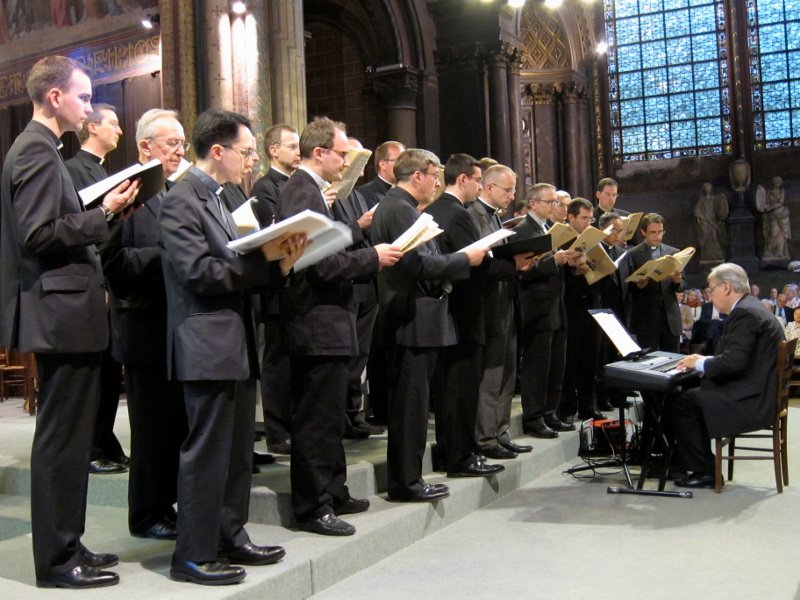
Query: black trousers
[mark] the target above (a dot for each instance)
(541, 374)
(366, 312)
(69, 393)
(458, 381)
(216, 468)
(158, 427)
(106, 444)
(581, 365)
(692, 442)
(276, 384)
(410, 382)
(318, 466)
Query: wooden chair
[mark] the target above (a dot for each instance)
(778, 452)
(18, 371)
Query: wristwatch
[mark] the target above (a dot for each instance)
(108, 213)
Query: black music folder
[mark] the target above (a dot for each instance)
(536, 245)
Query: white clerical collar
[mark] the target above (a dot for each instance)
(489, 207)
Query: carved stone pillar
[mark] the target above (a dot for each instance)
(515, 117)
(398, 90)
(179, 85)
(499, 120)
(585, 182)
(287, 62)
(571, 133)
(545, 132)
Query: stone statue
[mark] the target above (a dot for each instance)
(739, 174)
(775, 219)
(710, 213)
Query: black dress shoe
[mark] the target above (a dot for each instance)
(361, 422)
(514, 447)
(250, 554)
(161, 530)
(98, 561)
(352, 432)
(541, 431)
(327, 525)
(696, 480)
(218, 572)
(281, 447)
(263, 458)
(82, 576)
(103, 466)
(499, 452)
(477, 467)
(594, 415)
(125, 461)
(605, 407)
(427, 492)
(351, 506)
(558, 425)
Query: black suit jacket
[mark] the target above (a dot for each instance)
(209, 324)
(646, 303)
(541, 288)
(316, 307)
(85, 169)
(468, 299)
(51, 280)
(374, 191)
(412, 300)
(266, 191)
(740, 383)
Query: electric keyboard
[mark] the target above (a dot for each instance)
(655, 371)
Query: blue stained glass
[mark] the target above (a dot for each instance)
(650, 6)
(678, 23)
(628, 58)
(625, 8)
(655, 82)
(706, 75)
(707, 103)
(633, 139)
(656, 109)
(681, 106)
(630, 85)
(680, 78)
(708, 132)
(775, 95)
(679, 50)
(769, 12)
(654, 54)
(704, 47)
(683, 134)
(632, 112)
(703, 19)
(773, 68)
(671, 4)
(699, 2)
(794, 91)
(793, 35)
(652, 27)
(658, 137)
(796, 124)
(628, 30)
(777, 126)
(771, 39)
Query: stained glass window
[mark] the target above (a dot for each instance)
(668, 78)
(773, 38)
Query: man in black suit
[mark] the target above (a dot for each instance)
(132, 264)
(459, 369)
(384, 158)
(53, 304)
(739, 384)
(654, 316)
(211, 350)
(501, 307)
(282, 145)
(99, 136)
(544, 324)
(606, 195)
(414, 321)
(320, 333)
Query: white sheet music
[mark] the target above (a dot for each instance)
(618, 335)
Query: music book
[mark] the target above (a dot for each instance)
(490, 240)
(630, 225)
(512, 222)
(536, 245)
(245, 218)
(587, 240)
(182, 168)
(358, 159)
(150, 174)
(422, 230)
(327, 237)
(599, 263)
(659, 269)
(560, 234)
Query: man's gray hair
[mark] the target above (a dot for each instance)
(535, 193)
(412, 160)
(732, 274)
(147, 126)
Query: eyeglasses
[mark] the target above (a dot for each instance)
(291, 146)
(713, 287)
(172, 143)
(587, 219)
(244, 152)
(507, 190)
(436, 175)
(340, 153)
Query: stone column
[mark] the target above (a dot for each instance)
(515, 117)
(178, 81)
(287, 60)
(545, 133)
(499, 126)
(398, 90)
(571, 134)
